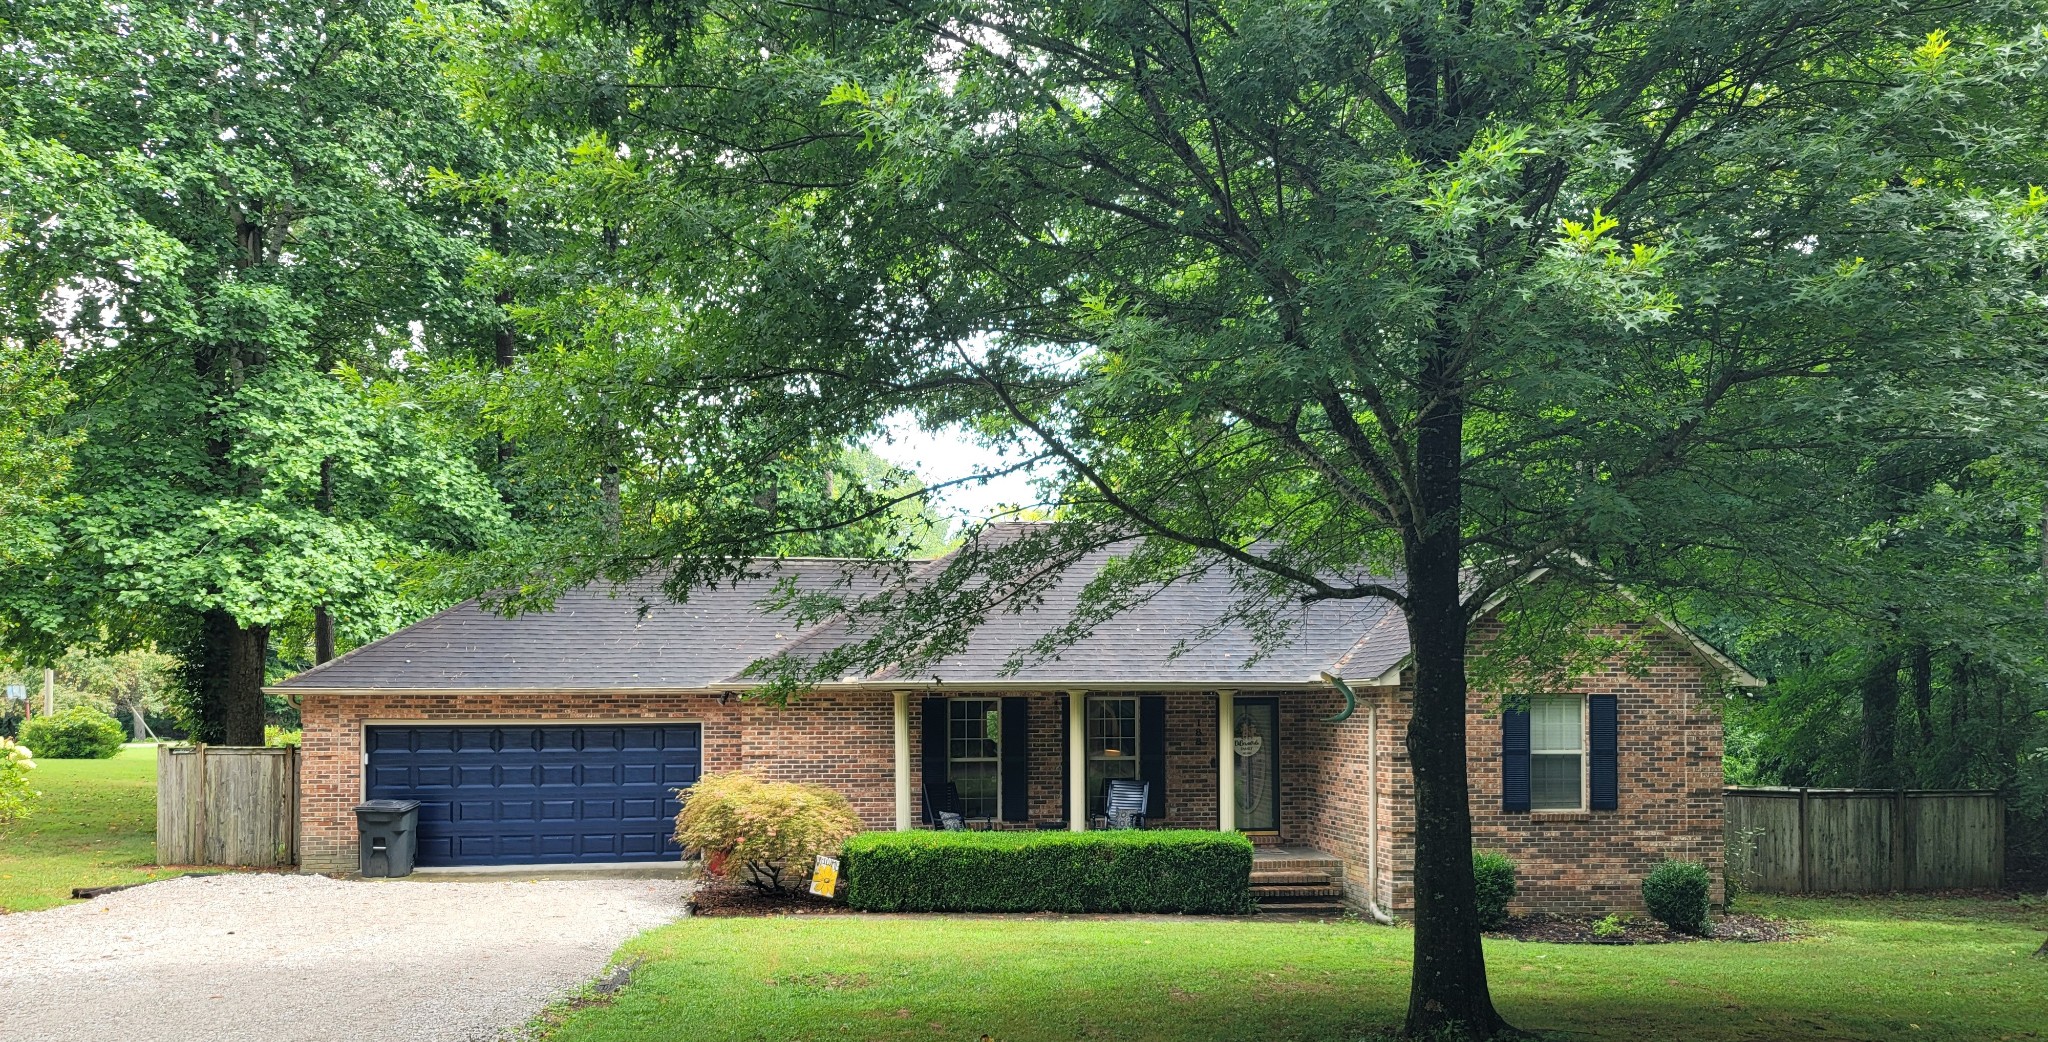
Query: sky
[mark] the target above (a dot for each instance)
(949, 454)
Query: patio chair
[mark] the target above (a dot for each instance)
(942, 806)
(1123, 805)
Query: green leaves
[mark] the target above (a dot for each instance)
(223, 212)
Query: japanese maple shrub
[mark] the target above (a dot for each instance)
(772, 829)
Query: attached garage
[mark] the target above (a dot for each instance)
(517, 794)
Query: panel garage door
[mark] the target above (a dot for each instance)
(525, 794)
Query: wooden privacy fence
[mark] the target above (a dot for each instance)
(1791, 841)
(227, 805)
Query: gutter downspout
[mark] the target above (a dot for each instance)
(1372, 793)
(1372, 816)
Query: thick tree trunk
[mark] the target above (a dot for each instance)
(323, 634)
(323, 620)
(1447, 992)
(1880, 687)
(1921, 664)
(231, 678)
(504, 339)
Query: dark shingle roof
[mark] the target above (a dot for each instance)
(594, 638)
(1187, 634)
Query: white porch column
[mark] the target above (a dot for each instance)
(903, 817)
(1077, 761)
(1226, 761)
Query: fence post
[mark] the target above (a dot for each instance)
(1902, 846)
(197, 799)
(1805, 849)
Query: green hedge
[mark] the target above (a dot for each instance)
(1167, 870)
(77, 733)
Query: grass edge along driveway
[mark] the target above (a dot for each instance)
(1866, 969)
(95, 825)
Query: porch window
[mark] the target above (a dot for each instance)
(1557, 744)
(1112, 746)
(974, 737)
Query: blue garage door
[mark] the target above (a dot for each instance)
(513, 795)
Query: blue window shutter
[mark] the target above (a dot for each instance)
(1015, 747)
(1603, 734)
(1152, 755)
(1514, 761)
(937, 766)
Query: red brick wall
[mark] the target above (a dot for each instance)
(1670, 790)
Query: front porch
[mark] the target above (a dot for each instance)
(1256, 762)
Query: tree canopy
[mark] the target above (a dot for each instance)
(1318, 293)
(257, 252)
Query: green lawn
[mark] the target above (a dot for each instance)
(1890, 969)
(94, 826)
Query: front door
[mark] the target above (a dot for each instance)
(1257, 745)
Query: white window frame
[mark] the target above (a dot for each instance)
(1582, 752)
(993, 707)
(1097, 800)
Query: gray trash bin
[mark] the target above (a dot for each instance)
(387, 837)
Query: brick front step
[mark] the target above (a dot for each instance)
(1327, 865)
(1261, 877)
(1330, 909)
(1278, 893)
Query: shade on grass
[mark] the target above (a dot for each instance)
(94, 826)
(1946, 970)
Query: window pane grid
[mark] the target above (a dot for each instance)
(1557, 733)
(1555, 725)
(1112, 746)
(974, 756)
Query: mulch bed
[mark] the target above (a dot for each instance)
(722, 897)
(1578, 929)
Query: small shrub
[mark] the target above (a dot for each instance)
(1124, 870)
(1676, 893)
(77, 733)
(774, 829)
(282, 738)
(1494, 875)
(15, 795)
(1610, 925)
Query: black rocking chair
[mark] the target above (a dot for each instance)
(942, 806)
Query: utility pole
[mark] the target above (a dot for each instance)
(49, 692)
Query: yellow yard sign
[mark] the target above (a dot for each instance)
(825, 878)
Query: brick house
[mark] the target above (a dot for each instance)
(560, 736)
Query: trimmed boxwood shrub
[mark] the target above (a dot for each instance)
(1676, 893)
(1494, 875)
(77, 733)
(1165, 870)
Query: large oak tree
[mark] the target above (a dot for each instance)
(1318, 292)
(227, 224)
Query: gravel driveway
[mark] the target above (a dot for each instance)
(308, 959)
